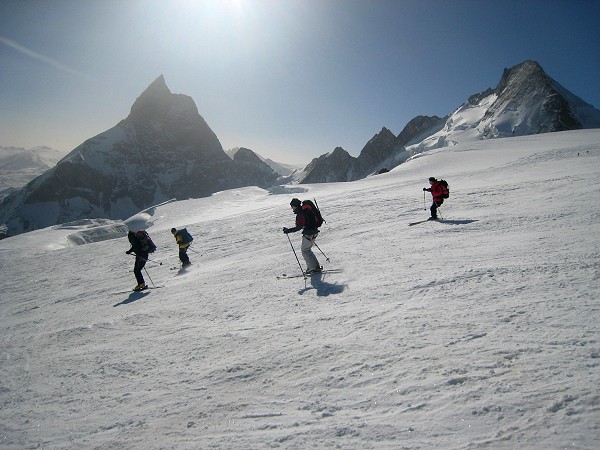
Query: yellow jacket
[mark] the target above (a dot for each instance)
(179, 238)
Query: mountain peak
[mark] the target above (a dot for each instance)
(246, 155)
(159, 79)
(157, 88)
(529, 65)
(529, 72)
(155, 98)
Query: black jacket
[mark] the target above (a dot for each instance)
(136, 246)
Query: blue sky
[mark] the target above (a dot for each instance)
(289, 79)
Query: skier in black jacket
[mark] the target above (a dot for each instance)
(141, 256)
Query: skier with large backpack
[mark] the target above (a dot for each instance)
(439, 191)
(141, 246)
(184, 240)
(308, 219)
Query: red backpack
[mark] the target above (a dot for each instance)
(313, 216)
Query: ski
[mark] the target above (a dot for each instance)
(141, 290)
(422, 221)
(306, 275)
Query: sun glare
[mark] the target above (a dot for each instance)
(223, 9)
(235, 6)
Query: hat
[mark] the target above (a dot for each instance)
(432, 179)
(173, 230)
(295, 202)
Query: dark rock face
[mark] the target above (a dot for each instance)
(251, 170)
(331, 167)
(378, 149)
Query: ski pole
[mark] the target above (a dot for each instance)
(424, 203)
(326, 257)
(317, 205)
(147, 260)
(192, 250)
(154, 262)
(149, 277)
(299, 265)
(324, 221)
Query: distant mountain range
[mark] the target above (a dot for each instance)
(526, 101)
(18, 166)
(164, 149)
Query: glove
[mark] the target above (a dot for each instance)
(424, 189)
(285, 230)
(128, 252)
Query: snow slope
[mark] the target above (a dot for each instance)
(477, 332)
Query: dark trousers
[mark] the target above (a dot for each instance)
(140, 262)
(434, 208)
(183, 257)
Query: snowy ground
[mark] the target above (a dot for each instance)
(477, 332)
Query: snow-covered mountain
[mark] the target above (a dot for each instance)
(477, 332)
(18, 166)
(164, 149)
(526, 101)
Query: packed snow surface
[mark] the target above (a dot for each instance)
(478, 331)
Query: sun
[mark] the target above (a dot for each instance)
(224, 9)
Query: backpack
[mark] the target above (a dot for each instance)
(314, 219)
(145, 242)
(186, 237)
(445, 189)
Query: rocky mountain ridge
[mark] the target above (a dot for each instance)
(525, 101)
(164, 149)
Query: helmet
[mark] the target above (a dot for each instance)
(173, 230)
(432, 179)
(295, 202)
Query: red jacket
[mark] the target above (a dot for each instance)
(437, 192)
(302, 224)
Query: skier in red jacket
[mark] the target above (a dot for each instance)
(437, 192)
(305, 221)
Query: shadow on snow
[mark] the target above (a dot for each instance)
(457, 222)
(132, 298)
(323, 288)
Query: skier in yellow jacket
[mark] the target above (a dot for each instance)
(184, 240)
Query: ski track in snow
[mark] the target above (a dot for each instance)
(479, 331)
